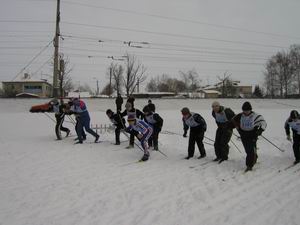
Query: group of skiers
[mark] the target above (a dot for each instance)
(147, 125)
(249, 125)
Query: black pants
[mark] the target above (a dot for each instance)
(59, 125)
(222, 139)
(296, 146)
(153, 140)
(249, 144)
(83, 134)
(131, 139)
(196, 137)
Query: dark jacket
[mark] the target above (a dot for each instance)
(155, 121)
(139, 114)
(151, 107)
(118, 121)
(199, 125)
(227, 123)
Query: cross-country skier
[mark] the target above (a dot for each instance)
(223, 118)
(59, 110)
(250, 125)
(118, 122)
(151, 106)
(119, 102)
(294, 122)
(197, 126)
(142, 131)
(129, 110)
(80, 109)
(156, 122)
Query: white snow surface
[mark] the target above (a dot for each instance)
(44, 181)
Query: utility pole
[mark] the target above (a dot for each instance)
(138, 85)
(110, 75)
(56, 60)
(61, 77)
(97, 92)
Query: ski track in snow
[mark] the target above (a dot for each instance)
(43, 181)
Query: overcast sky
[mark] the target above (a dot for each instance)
(210, 36)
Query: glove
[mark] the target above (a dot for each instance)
(139, 136)
(258, 131)
(184, 135)
(288, 137)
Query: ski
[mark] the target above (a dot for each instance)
(201, 164)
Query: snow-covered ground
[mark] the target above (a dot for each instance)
(44, 181)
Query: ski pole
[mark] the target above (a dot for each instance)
(209, 139)
(133, 142)
(272, 143)
(49, 117)
(235, 146)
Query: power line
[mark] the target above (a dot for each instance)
(182, 20)
(150, 44)
(25, 21)
(29, 63)
(172, 35)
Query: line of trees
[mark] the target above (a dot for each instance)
(189, 82)
(130, 76)
(282, 73)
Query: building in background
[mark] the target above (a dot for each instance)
(27, 87)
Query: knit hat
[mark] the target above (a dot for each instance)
(294, 114)
(131, 118)
(185, 111)
(109, 111)
(246, 106)
(146, 109)
(215, 104)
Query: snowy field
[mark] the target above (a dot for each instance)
(44, 181)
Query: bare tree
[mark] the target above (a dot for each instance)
(134, 75)
(107, 90)
(272, 77)
(295, 60)
(65, 80)
(152, 86)
(224, 83)
(191, 79)
(117, 77)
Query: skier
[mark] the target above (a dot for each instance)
(131, 100)
(197, 128)
(249, 125)
(79, 108)
(119, 102)
(223, 118)
(294, 122)
(118, 122)
(156, 122)
(137, 114)
(59, 110)
(142, 131)
(151, 106)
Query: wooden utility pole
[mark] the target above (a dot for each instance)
(55, 91)
(110, 76)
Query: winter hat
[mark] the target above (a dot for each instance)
(215, 104)
(109, 111)
(185, 111)
(294, 114)
(146, 109)
(131, 118)
(247, 106)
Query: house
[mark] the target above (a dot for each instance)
(209, 93)
(27, 87)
